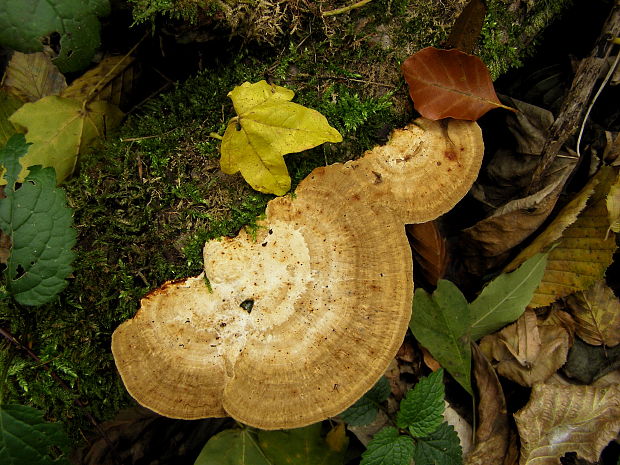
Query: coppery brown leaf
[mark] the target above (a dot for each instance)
(560, 419)
(429, 250)
(449, 83)
(493, 432)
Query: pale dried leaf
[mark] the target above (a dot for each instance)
(109, 81)
(561, 419)
(33, 76)
(527, 354)
(597, 315)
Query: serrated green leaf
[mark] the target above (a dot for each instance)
(422, 408)
(364, 411)
(441, 323)
(25, 26)
(504, 299)
(442, 447)
(388, 447)
(301, 446)
(25, 438)
(232, 447)
(39, 224)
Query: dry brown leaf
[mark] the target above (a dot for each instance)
(467, 27)
(429, 250)
(597, 315)
(33, 76)
(527, 351)
(611, 154)
(613, 207)
(109, 81)
(493, 432)
(560, 419)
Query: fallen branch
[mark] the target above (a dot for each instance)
(576, 101)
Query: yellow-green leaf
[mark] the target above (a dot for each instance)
(60, 129)
(560, 419)
(267, 127)
(583, 252)
(613, 206)
(9, 104)
(32, 76)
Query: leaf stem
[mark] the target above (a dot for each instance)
(344, 9)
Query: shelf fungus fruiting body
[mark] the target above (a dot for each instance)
(302, 319)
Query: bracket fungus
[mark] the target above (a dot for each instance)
(296, 324)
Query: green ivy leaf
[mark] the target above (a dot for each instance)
(504, 299)
(232, 447)
(388, 447)
(25, 25)
(440, 448)
(301, 446)
(364, 411)
(38, 222)
(25, 438)
(441, 324)
(422, 408)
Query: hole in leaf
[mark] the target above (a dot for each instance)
(19, 272)
(247, 305)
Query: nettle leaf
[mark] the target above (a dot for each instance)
(441, 323)
(388, 447)
(267, 127)
(422, 408)
(26, 26)
(38, 222)
(25, 438)
(504, 299)
(364, 411)
(232, 447)
(442, 447)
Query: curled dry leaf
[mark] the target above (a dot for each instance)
(513, 214)
(33, 76)
(329, 279)
(561, 419)
(429, 248)
(493, 432)
(449, 84)
(583, 253)
(597, 315)
(528, 351)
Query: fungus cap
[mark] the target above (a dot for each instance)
(300, 321)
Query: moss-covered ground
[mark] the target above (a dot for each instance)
(149, 197)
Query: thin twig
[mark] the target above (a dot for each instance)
(600, 89)
(328, 76)
(13, 340)
(344, 9)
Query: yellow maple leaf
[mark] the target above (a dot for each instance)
(268, 126)
(60, 129)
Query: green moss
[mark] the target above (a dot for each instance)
(505, 42)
